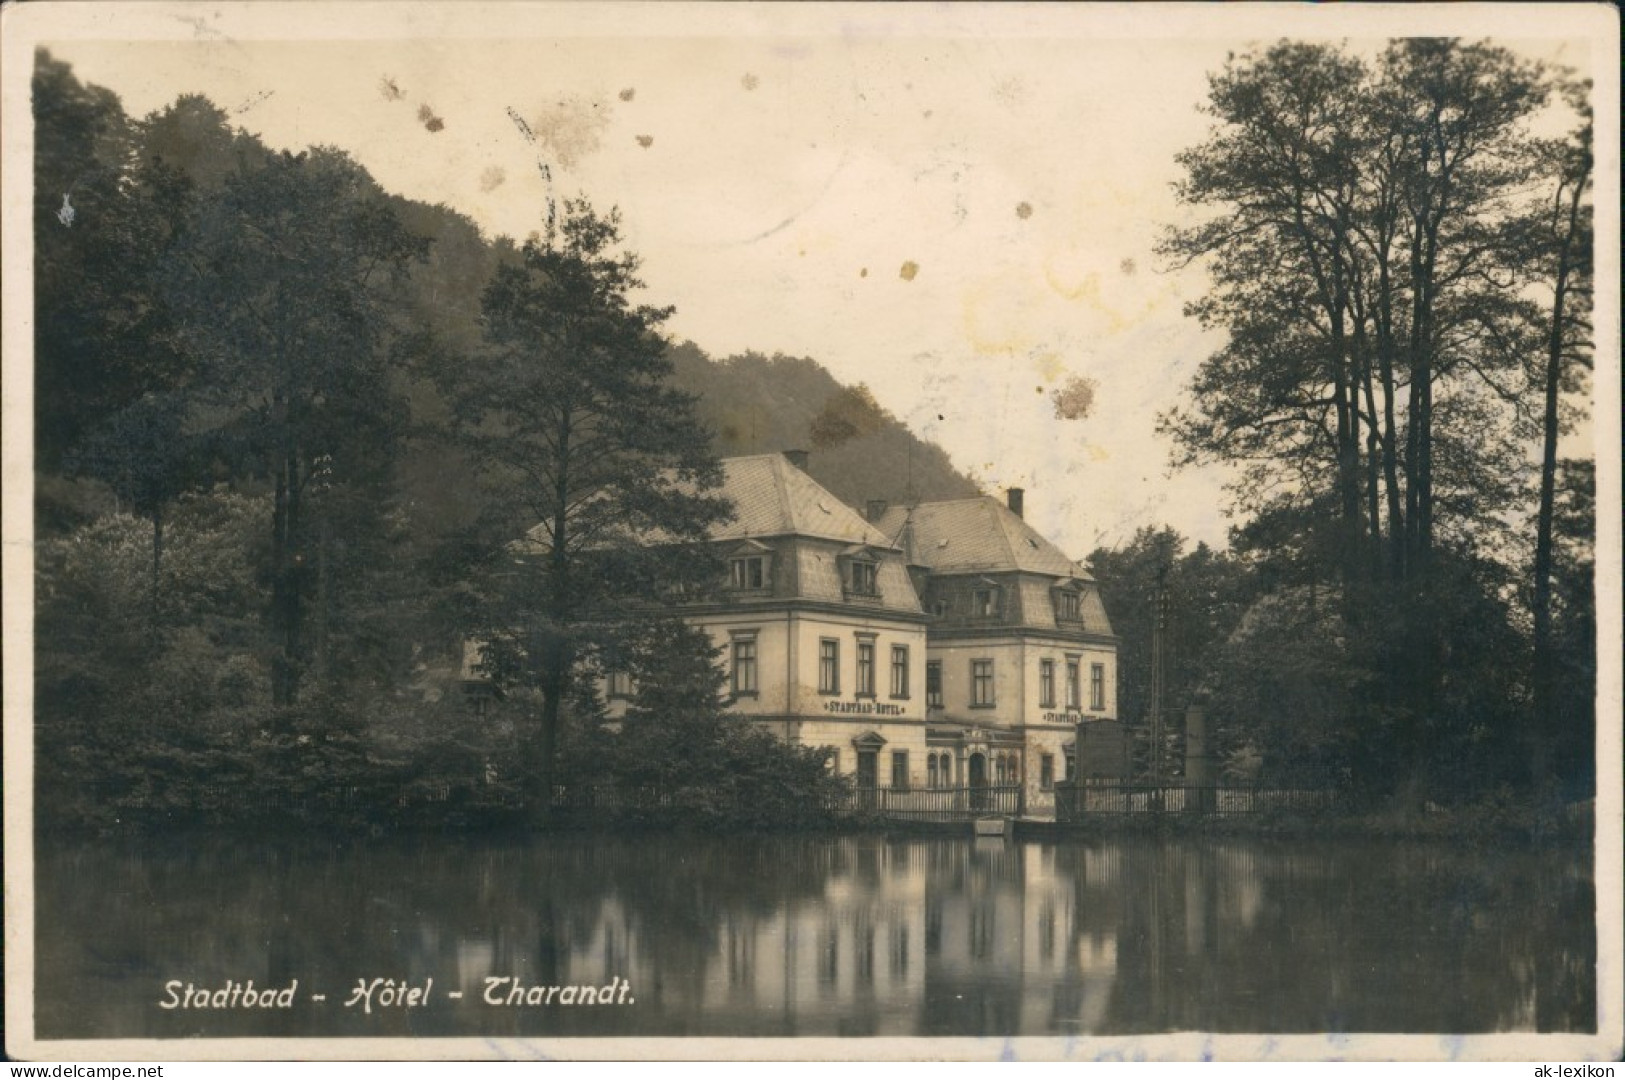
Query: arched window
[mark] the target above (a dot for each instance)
(931, 770)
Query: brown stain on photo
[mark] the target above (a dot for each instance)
(1074, 400)
(909, 269)
(749, 82)
(646, 141)
(1024, 210)
(429, 120)
(388, 87)
(492, 178)
(570, 127)
(629, 93)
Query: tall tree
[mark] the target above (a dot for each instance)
(143, 439)
(1284, 163)
(1562, 234)
(587, 453)
(1366, 255)
(282, 285)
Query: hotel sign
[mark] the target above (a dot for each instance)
(863, 708)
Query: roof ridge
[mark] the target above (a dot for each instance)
(781, 492)
(949, 502)
(1004, 529)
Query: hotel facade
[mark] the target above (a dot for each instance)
(940, 645)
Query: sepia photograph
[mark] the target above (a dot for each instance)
(822, 531)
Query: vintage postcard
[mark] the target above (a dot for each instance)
(850, 531)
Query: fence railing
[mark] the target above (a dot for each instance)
(930, 804)
(1074, 801)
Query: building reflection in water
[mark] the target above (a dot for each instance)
(856, 935)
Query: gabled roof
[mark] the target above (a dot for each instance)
(969, 535)
(774, 498)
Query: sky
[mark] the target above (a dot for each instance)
(957, 206)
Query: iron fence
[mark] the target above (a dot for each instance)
(929, 804)
(1074, 801)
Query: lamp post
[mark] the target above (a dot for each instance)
(1159, 634)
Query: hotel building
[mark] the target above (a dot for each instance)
(940, 645)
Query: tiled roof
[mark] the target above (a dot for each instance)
(774, 498)
(981, 534)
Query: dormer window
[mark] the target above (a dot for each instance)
(1068, 606)
(860, 572)
(984, 601)
(748, 572)
(750, 567)
(863, 577)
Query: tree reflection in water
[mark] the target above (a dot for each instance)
(850, 935)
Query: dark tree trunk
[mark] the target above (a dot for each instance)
(286, 577)
(1544, 729)
(157, 555)
(557, 655)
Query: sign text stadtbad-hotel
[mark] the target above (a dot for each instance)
(863, 708)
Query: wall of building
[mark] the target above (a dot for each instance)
(788, 697)
(1037, 651)
(1009, 693)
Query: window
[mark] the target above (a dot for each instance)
(981, 684)
(829, 666)
(1046, 771)
(940, 769)
(620, 684)
(1097, 687)
(931, 771)
(862, 578)
(899, 671)
(1046, 684)
(866, 667)
(1067, 606)
(899, 769)
(984, 602)
(1073, 693)
(744, 665)
(748, 573)
(933, 684)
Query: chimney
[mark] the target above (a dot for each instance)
(1013, 497)
(798, 458)
(875, 509)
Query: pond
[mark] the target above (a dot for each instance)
(806, 935)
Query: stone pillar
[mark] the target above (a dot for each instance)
(1199, 773)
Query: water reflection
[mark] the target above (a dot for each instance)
(822, 935)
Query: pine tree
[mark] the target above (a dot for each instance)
(587, 453)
